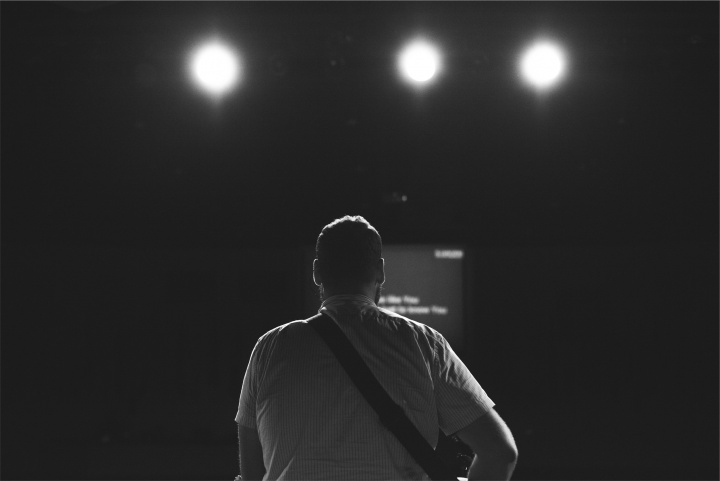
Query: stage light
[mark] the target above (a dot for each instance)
(215, 67)
(419, 62)
(543, 65)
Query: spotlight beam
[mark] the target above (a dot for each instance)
(419, 62)
(543, 65)
(215, 68)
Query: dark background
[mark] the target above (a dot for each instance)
(150, 237)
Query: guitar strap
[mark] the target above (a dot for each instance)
(391, 415)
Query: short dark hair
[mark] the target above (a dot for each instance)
(347, 250)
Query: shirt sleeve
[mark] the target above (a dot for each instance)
(248, 394)
(459, 397)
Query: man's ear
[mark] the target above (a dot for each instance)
(381, 271)
(316, 274)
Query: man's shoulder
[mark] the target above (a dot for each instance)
(390, 319)
(400, 321)
(289, 329)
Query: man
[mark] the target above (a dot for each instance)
(301, 417)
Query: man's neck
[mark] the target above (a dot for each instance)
(372, 293)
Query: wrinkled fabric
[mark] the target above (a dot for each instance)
(312, 421)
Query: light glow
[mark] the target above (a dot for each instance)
(215, 68)
(419, 62)
(543, 65)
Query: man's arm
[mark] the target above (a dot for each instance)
(252, 466)
(494, 447)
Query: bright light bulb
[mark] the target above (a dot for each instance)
(215, 68)
(419, 62)
(543, 65)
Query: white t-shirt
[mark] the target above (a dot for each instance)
(313, 423)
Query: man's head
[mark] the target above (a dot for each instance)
(348, 257)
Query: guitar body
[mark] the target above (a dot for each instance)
(455, 454)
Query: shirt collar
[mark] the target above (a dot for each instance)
(344, 298)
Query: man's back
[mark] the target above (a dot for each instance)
(313, 423)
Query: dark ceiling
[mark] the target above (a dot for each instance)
(106, 142)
